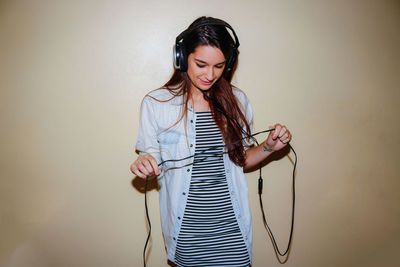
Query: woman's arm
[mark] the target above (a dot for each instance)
(276, 140)
(146, 163)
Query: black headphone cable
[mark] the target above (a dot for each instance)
(148, 220)
(218, 106)
(177, 160)
(260, 187)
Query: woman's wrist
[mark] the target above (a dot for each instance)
(266, 148)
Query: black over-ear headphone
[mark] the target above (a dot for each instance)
(180, 57)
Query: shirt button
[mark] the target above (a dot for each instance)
(191, 145)
(239, 217)
(191, 121)
(174, 238)
(188, 170)
(228, 171)
(245, 237)
(233, 192)
(179, 218)
(183, 193)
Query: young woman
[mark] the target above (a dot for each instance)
(204, 207)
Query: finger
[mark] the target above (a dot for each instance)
(288, 139)
(284, 136)
(282, 131)
(270, 137)
(149, 168)
(136, 171)
(142, 168)
(289, 136)
(134, 168)
(277, 131)
(154, 165)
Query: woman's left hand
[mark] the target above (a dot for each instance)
(278, 138)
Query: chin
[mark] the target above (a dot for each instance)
(203, 87)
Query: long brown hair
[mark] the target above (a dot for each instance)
(228, 115)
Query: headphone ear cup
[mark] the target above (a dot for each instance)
(180, 61)
(231, 61)
(176, 57)
(184, 59)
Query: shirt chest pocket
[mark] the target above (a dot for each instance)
(173, 146)
(169, 137)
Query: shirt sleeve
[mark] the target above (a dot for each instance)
(249, 117)
(248, 113)
(147, 142)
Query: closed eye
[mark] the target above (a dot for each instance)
(217, 66)
(201, 64)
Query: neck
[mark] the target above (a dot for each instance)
(195, 92)
(197, 99)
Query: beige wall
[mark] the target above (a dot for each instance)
(73, 73)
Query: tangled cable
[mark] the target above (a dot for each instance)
(260, 186)
(220, 109)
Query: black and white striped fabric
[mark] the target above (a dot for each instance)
(209, 235)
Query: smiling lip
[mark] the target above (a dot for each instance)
(204, 82)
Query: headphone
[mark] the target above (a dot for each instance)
(179, 54)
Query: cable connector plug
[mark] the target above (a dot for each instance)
(260, 185)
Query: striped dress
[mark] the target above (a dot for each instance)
(209, 235)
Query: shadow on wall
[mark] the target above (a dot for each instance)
(139, 184)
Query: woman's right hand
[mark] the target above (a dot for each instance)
(144, 166)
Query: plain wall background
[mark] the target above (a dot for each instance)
(72, 76)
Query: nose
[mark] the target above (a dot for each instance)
(210, 73)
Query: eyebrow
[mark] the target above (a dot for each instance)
(201, 61)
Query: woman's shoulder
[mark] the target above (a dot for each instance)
(160, 95)
(244, 103)
(241, 96)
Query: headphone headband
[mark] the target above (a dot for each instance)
(208, 21)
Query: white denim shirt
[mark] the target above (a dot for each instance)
(163, 142)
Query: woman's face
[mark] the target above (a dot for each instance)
(205, 66)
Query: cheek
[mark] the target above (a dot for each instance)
(219, 72)
(190, 73)
(193, 71)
